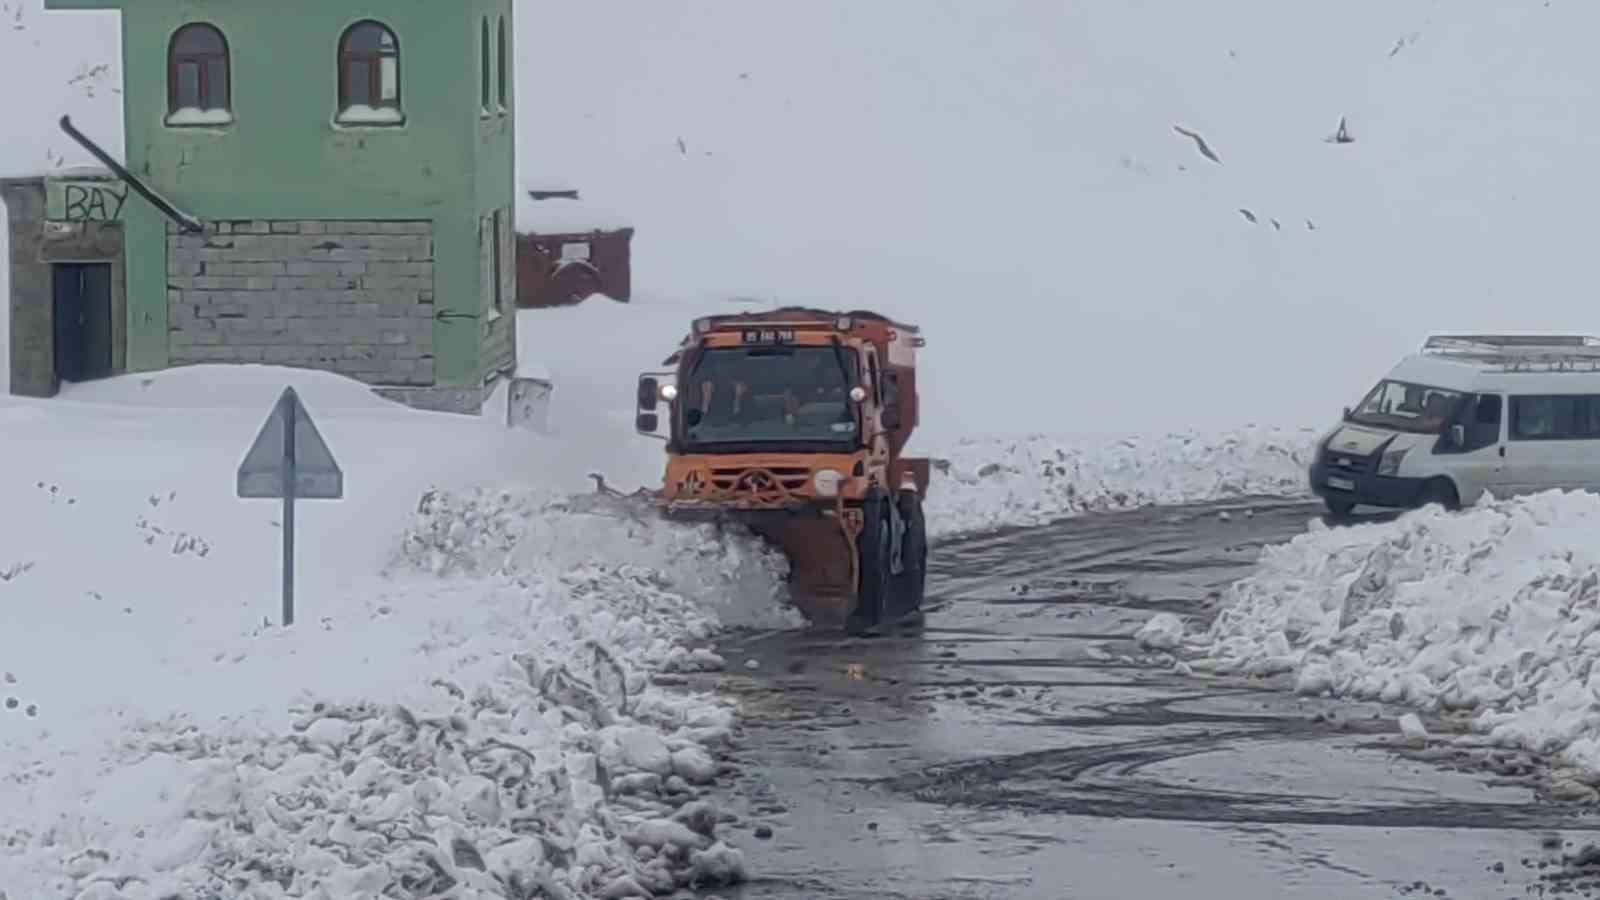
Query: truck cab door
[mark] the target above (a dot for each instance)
(654, 402)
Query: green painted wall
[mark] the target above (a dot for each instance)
(285, 157)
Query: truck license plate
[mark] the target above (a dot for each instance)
(1341, 484)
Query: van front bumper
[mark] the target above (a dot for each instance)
(1365, 489)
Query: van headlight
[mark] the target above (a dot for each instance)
(1390, 464)
(826, 482)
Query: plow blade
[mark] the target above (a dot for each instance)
(822, 582)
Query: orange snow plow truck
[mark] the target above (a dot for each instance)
(793, 423)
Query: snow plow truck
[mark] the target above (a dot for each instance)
(793, 423)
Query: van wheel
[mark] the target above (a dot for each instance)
(1339, 509)
(1440, 492)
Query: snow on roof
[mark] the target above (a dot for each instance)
(56, 174)
(82, 172)
(231, 386)
(548, 185)
(558, 215)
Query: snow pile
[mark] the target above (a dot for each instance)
(528, 755)
(1496, 609)
(479, 720)
(986, 484)
(729, 573)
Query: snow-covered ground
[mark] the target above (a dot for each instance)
(1495, 610)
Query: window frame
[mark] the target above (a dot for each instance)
(497, 261)
(484, 66)
(372, 92)
(175, 61)
(1581, 415)
(503, 54)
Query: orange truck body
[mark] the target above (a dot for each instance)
(810, 498)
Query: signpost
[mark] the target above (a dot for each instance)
(289, 461)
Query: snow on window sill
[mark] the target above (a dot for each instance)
(503, 111)
(189, 117)
(366, 115)
(485, 113)
(494, 315)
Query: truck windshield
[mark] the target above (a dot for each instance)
(769, 395)
(1402, 406)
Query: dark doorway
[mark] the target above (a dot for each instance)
(82, 320)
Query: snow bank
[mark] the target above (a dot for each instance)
(985, 484)
(1495, 609)
(468, 704)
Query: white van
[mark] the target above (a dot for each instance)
(1502, 414)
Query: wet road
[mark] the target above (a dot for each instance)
(1021, 745)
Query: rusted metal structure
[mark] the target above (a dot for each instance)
(567, 253)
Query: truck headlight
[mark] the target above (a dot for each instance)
(826, 482)
(1390, 464)
(669, 392)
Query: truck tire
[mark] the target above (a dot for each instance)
(875, 591)
(913, 552)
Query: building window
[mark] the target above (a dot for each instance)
(369, 76)
(496, 261)
(505, 63)
(198, 89)
(483, 66)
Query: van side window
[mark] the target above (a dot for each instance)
(1485, 425)
(1544, 418)
(1589, 421)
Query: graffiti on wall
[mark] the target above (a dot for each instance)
(87, 201)
(92, 203)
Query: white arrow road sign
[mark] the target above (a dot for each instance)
(289, 461)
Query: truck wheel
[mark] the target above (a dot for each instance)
(877, 581)
(914, 552)
(1339, 509)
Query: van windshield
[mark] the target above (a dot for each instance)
(1403, 406)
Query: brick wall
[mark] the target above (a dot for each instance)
(353, 297)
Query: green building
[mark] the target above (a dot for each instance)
(351, 163)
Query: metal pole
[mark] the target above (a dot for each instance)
(187, 222)
(289, 424)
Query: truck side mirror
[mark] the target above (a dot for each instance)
(1458, 435)
(647, 419)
